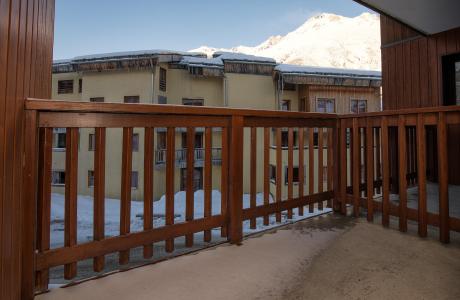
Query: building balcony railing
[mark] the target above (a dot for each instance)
(350, 140)
(181, 157)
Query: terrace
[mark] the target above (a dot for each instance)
(393, 189)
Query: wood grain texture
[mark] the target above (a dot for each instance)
(311, 167)
(301, 166)
(208, 179)
(190, 193)
(148, 186)
(125, 203)
(266, 171)
(279, 162)
(170, 166)
(402, 156)
(421, 160)
(224, 182)
(290, 168)
(99, 194)
(443, 166)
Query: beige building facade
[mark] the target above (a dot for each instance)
(227, 80)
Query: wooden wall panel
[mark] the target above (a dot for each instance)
(412, 74)
(26, 43)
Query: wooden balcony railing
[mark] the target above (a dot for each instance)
(391, 146)
(233, 124)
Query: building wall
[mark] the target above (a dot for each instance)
(412, 77)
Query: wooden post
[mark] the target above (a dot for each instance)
(235, 209)
(148, 186)
(421, 158)
(356, 167)
(266, 171)
(301, 166)
(343, 167)
(443, 171)
(125, 203)
(370, 170)
(224, 179)
(253, 174)
(385, 173)
(402, 173)
(99, 194)
(189, 196)
(207, 179)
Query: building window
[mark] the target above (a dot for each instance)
(286, 105)
(295, 175)
(134, 179)
(303, 105)
(197, 179)
(131, 99)
(59, 138)
(58, 178)
(161, 140)
(80, 85)
(325, 105)
(272, 173)
(285, 139)
(162, 100)
(90, 178)
(65, 87)
(92, 142)
(194, 102)
(358, 106)
(135, 146)
(162, 79)
(198, 140)
(96, 99)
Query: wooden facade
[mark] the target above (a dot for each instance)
(412, 78)
(26, 43)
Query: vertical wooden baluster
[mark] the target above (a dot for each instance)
(224, 179)
(266, 171)
(378, 159)
(356, 141)
(370, 170)
(443, 168)
(126, 173)
(402, 173)
(29, 233)
(253, 173)
(278, 170)
(71, 181)
(301, 167)
(385, 174)
(44, 201)
(170, 165)
(290, 168)
(330, 165)
(148, 186)
(99, 194)
(311, 167)
(421, 158)
(189, 200)
(208, 179)
(236, 181)
(336, 153)
(320, 165)
(343, 167)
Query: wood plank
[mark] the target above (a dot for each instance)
(443, 168)
(236, 181)
(208, 179)
(99, 194)
(421, 159)
(378, 156)
(266, 172)
(320, 164)
(343, 167)
(148, 186)
(189, 200)
(170, 166)
(60, 256)
(284, 122)
(259, 211)
(290, 168)
(330, 165)
(370, 171)
(125, 203)
(301, 166)
(356, 162)
(311, 167)
(402, 174)
(224, 183)
(44, 201)
(253, 173)
(278, 170)
(71, 181)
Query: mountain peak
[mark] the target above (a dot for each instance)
(325, 40)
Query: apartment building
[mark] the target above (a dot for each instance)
(171, 77)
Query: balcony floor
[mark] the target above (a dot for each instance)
(328, 256)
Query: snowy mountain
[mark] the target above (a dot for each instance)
(326, 40)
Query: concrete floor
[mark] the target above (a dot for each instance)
(327, 257)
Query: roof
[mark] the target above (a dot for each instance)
(133, 54)
(239, 57)
(425, 16)
(332, 72)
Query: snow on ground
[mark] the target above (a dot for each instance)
(112, 215)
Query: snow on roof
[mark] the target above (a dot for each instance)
(308, 70)
(130, 54)
(202, 62)
(239, 57)
(61, 61)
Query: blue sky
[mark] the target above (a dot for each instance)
(99, 26)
